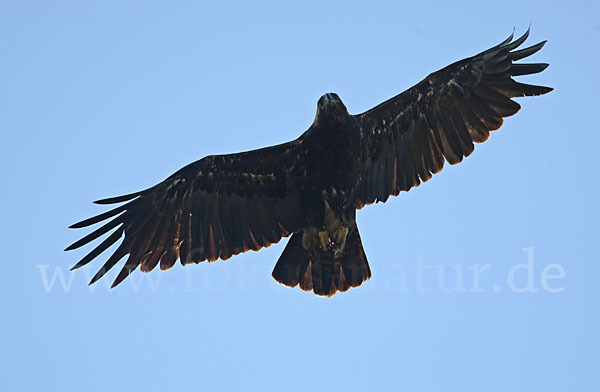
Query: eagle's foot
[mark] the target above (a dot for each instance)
(335, 243)
(339, 236)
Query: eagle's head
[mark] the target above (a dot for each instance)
(330, 107)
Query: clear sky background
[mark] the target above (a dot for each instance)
(102, 98)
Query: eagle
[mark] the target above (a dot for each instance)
(311, 187)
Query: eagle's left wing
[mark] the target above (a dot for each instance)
(214, 208)
(409, 136)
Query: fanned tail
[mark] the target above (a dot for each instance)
(324, 276)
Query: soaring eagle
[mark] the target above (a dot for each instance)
(310, 188)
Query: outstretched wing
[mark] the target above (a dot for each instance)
(409, 136)
(214, 208)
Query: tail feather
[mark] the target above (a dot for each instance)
(354, 262)
(292, 263)
(306, 277)
(323, 276)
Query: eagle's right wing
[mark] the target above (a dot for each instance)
(214, 208)
(408, 138)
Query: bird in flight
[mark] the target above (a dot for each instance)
(310, 188)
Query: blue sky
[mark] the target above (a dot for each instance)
(104, 98)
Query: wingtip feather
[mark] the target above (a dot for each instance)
(95, 278)
(118, 199)
(121, 277)
(526, 52)
(516, 43)
(506, 41)
(100, 217)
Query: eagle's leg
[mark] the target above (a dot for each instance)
(330, 242)
(334, 242)
(309, 238)
(339, 236)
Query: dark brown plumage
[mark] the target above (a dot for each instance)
(310, 188)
